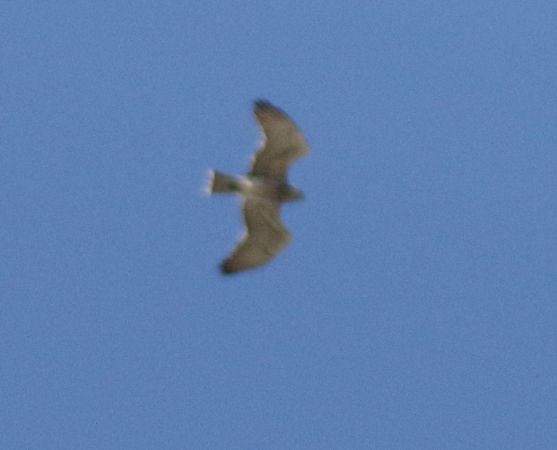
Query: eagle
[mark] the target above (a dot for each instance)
(264, 189)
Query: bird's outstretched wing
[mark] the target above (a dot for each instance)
(283, 142)
(265, 237)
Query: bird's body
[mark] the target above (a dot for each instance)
(254, 187)
(264, 189)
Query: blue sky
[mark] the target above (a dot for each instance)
(416, 306)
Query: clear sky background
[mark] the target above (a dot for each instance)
(417, 305)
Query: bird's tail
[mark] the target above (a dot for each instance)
(222, 183)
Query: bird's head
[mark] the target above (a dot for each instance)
(289, 193)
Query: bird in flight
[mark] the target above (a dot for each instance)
(264, 189)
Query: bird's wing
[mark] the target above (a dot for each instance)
(283, 142)
(265, 237)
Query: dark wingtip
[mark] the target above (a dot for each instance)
(260, 103)
(225, 268)
(266, 106)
